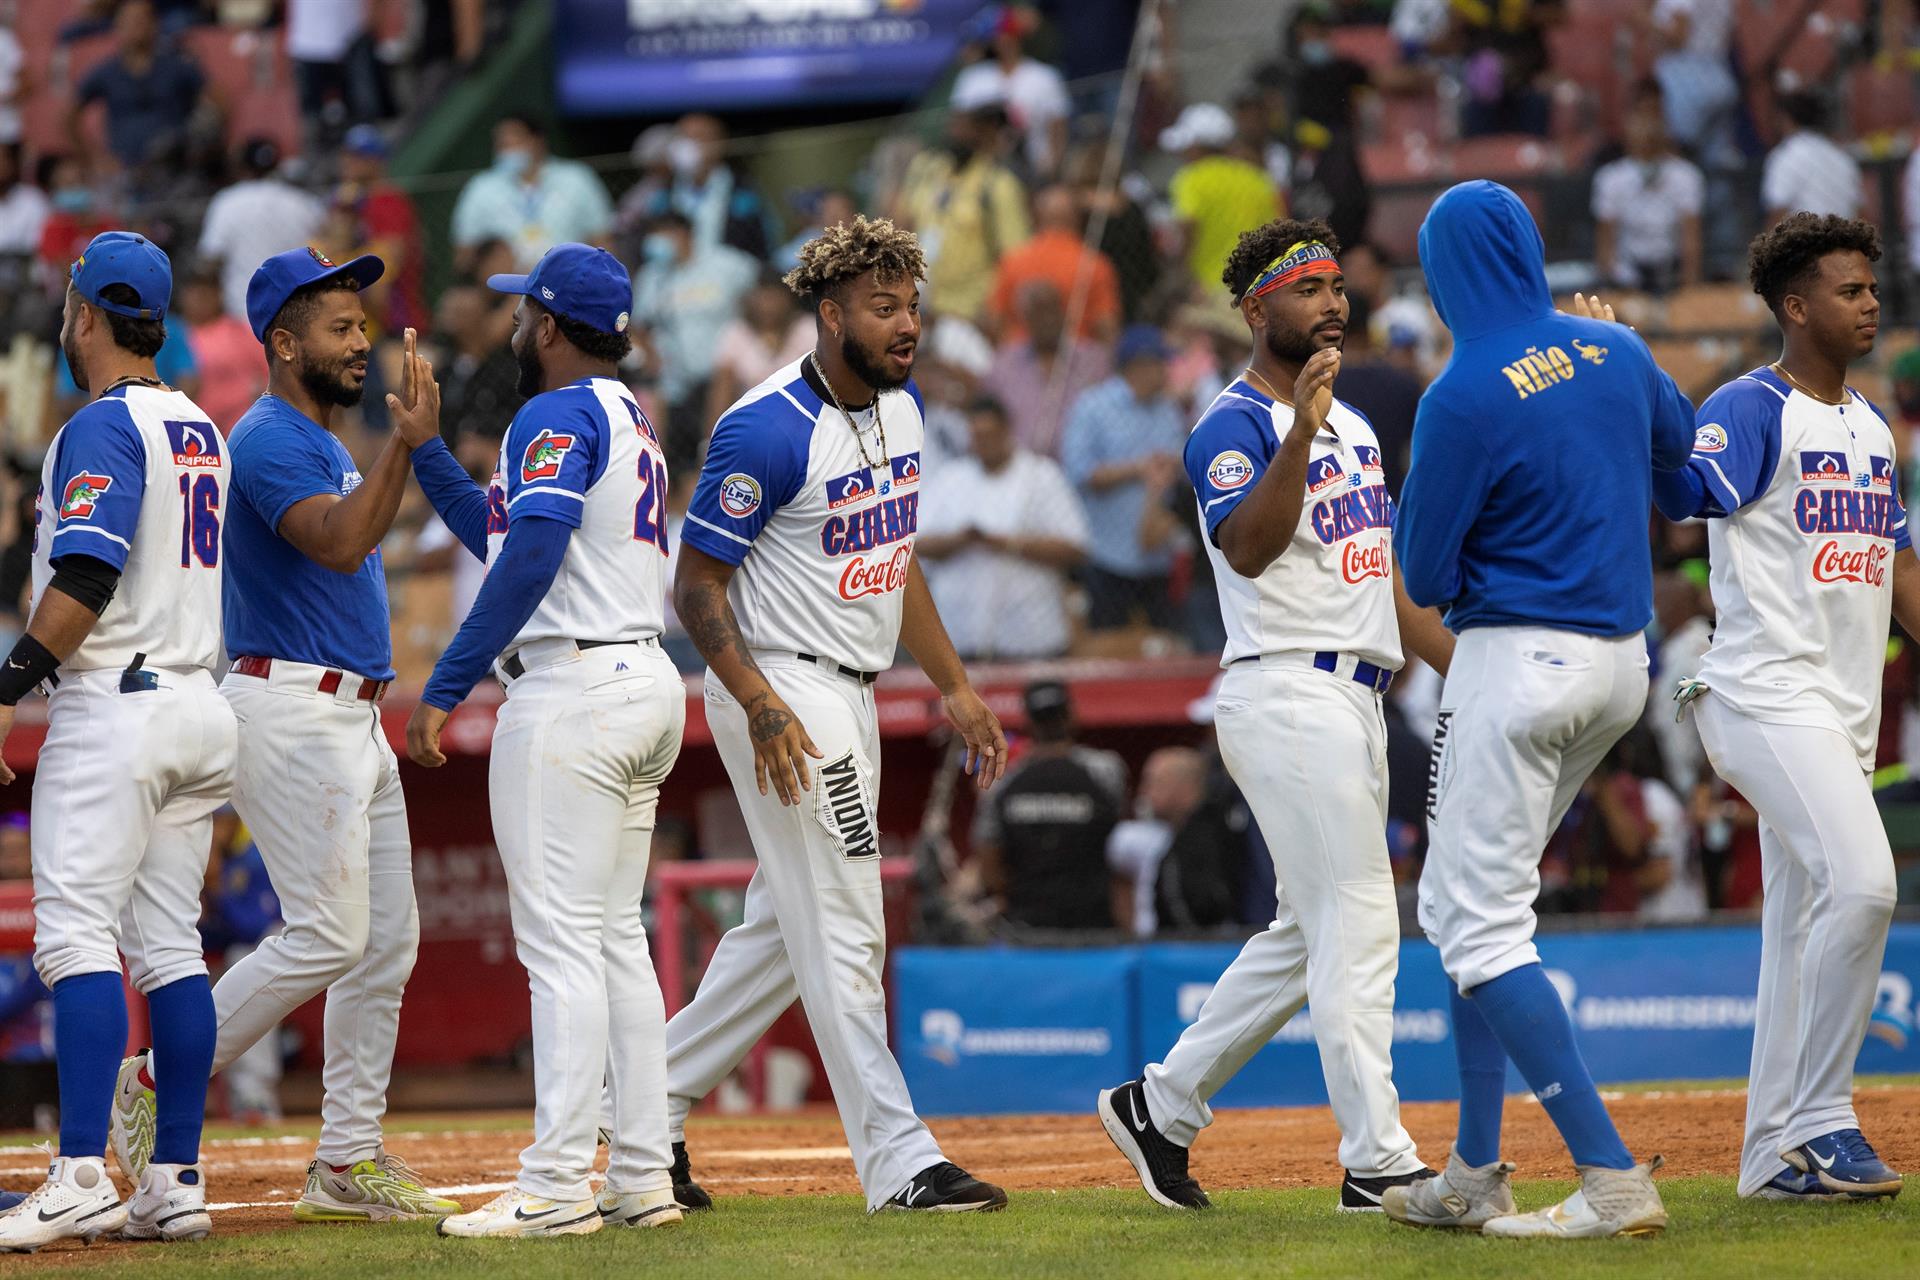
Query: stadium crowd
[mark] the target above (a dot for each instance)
(1075, 326)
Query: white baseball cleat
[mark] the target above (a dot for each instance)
(170, 1204)
(514, 1214)
(76, 1202)
(1610, 1202)
(639, 1208)
(1463, 1197)
(131, 1130)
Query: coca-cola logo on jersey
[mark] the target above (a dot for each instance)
(1358, 563)
(875, 577)
(1867, 565)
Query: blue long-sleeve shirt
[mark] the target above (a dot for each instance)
(1534, 451)
(517, 580)
(460, 503)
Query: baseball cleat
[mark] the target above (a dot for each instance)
(1362, 1195)
(638, 1208)
(76, 1202)
(1791, 1184)
(1160, 1162)
(1610, 1202)
(383, 1189)
(131, 1128)
(1843, 1161)
(170, 1204)
(947, 1188)
(514, 1214)
(691, 1195)
(1463, 1197)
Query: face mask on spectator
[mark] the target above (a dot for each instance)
(685, 155)
(512, 163)
(658, 247)
(73, 200)
(1316, 53)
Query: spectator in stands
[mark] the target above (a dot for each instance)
(26, 1006)
(720, 201)
(530, 198)
(1173, 785)
(1910, 213)
(1682, 628)
(1505, 47)
(1215, 196)
(1057, 255)
(233, 368)
(1383, 390)
(255, 218)
(968, 207)
(999, 531)
(683, 300)
(337, 74)
(24, 207)
(1808, 169)
(1323, 85)
(769, 333)
(953, 363)
(479, 377)
(1730, 861)
(76, 215)
(1600, 860)
(16, 82)
(1125, 234)
(1168, 528)
(385, 223)
(1039, 378)
(239, 909)
(650, 194)
(1646, 206)
(1041, 834)
(1699, 94)
(151, 89)
(1035, 93)
(1118, 434)
(1672, 890)
(1216, 871)
(829, 208)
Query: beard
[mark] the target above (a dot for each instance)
(869, 368)
(72, 353)
(1294, 346)
(327, 383)
(527, 360)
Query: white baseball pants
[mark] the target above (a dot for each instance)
(814, 927)
(1828, 875)
(1526, 714)
(582, 745)
(122, 823)
(320, 789)
(1309, 751)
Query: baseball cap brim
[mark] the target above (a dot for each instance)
(509, 283)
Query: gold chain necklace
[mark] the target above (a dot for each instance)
(858, 439)
(1804, 389)
(1269, 386)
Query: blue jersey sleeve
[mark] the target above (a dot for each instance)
(556, 450)
(457, 500)
(1225, 457)
(99, 479)
(755, 465)
(1902, 539)
(280, 465)
(1736, 450)
(1673, 421)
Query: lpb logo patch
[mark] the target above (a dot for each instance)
(83, 491)
(1229, 470)
(739, 495)
(544, 456)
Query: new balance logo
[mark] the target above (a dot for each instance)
(913, 1192)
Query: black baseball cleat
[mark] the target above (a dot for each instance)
(1362, 1195)
(689, 1194)
(947, 1188)
(1161, 1163)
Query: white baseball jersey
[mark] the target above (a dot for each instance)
(138, 479)
(1805, 516)
(822, 534)
(586, 456)
(1331, 590)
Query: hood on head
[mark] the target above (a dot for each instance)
(1485, 264)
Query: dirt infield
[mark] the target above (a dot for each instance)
(471, 1157)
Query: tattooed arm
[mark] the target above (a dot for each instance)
(780, 742)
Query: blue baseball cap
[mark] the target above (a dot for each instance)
(280, 276)
(1138, 341)
(121, 257)
(579, 282)
(364, 140)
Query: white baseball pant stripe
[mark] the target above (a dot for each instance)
(582, 745)
(814, 924)
(1309, 751)
(122, 823)
(1526, 714)
(319, 788)
(1829, 894)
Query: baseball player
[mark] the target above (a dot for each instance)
(125, 629)
(1807, 537)
(1294, 503)
(306, 627)
(574, 532)
(1524, 514)
(797, 580)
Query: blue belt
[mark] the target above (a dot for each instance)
(1378, 679)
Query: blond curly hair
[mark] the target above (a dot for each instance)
(847, 250)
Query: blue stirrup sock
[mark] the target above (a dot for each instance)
(1483, 1082)
(184, 1030)
(1526, 1013)
(89, 1037)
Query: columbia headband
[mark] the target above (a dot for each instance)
(1304, 258)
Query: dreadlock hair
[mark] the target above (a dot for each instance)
(848, 250)
(1262, 245)
(142, 338)
(596, 343)
(1782, 260)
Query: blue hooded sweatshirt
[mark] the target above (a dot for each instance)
(1533, 452)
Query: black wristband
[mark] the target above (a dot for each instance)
(28, 664)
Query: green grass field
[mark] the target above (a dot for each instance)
(1081, 1233)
